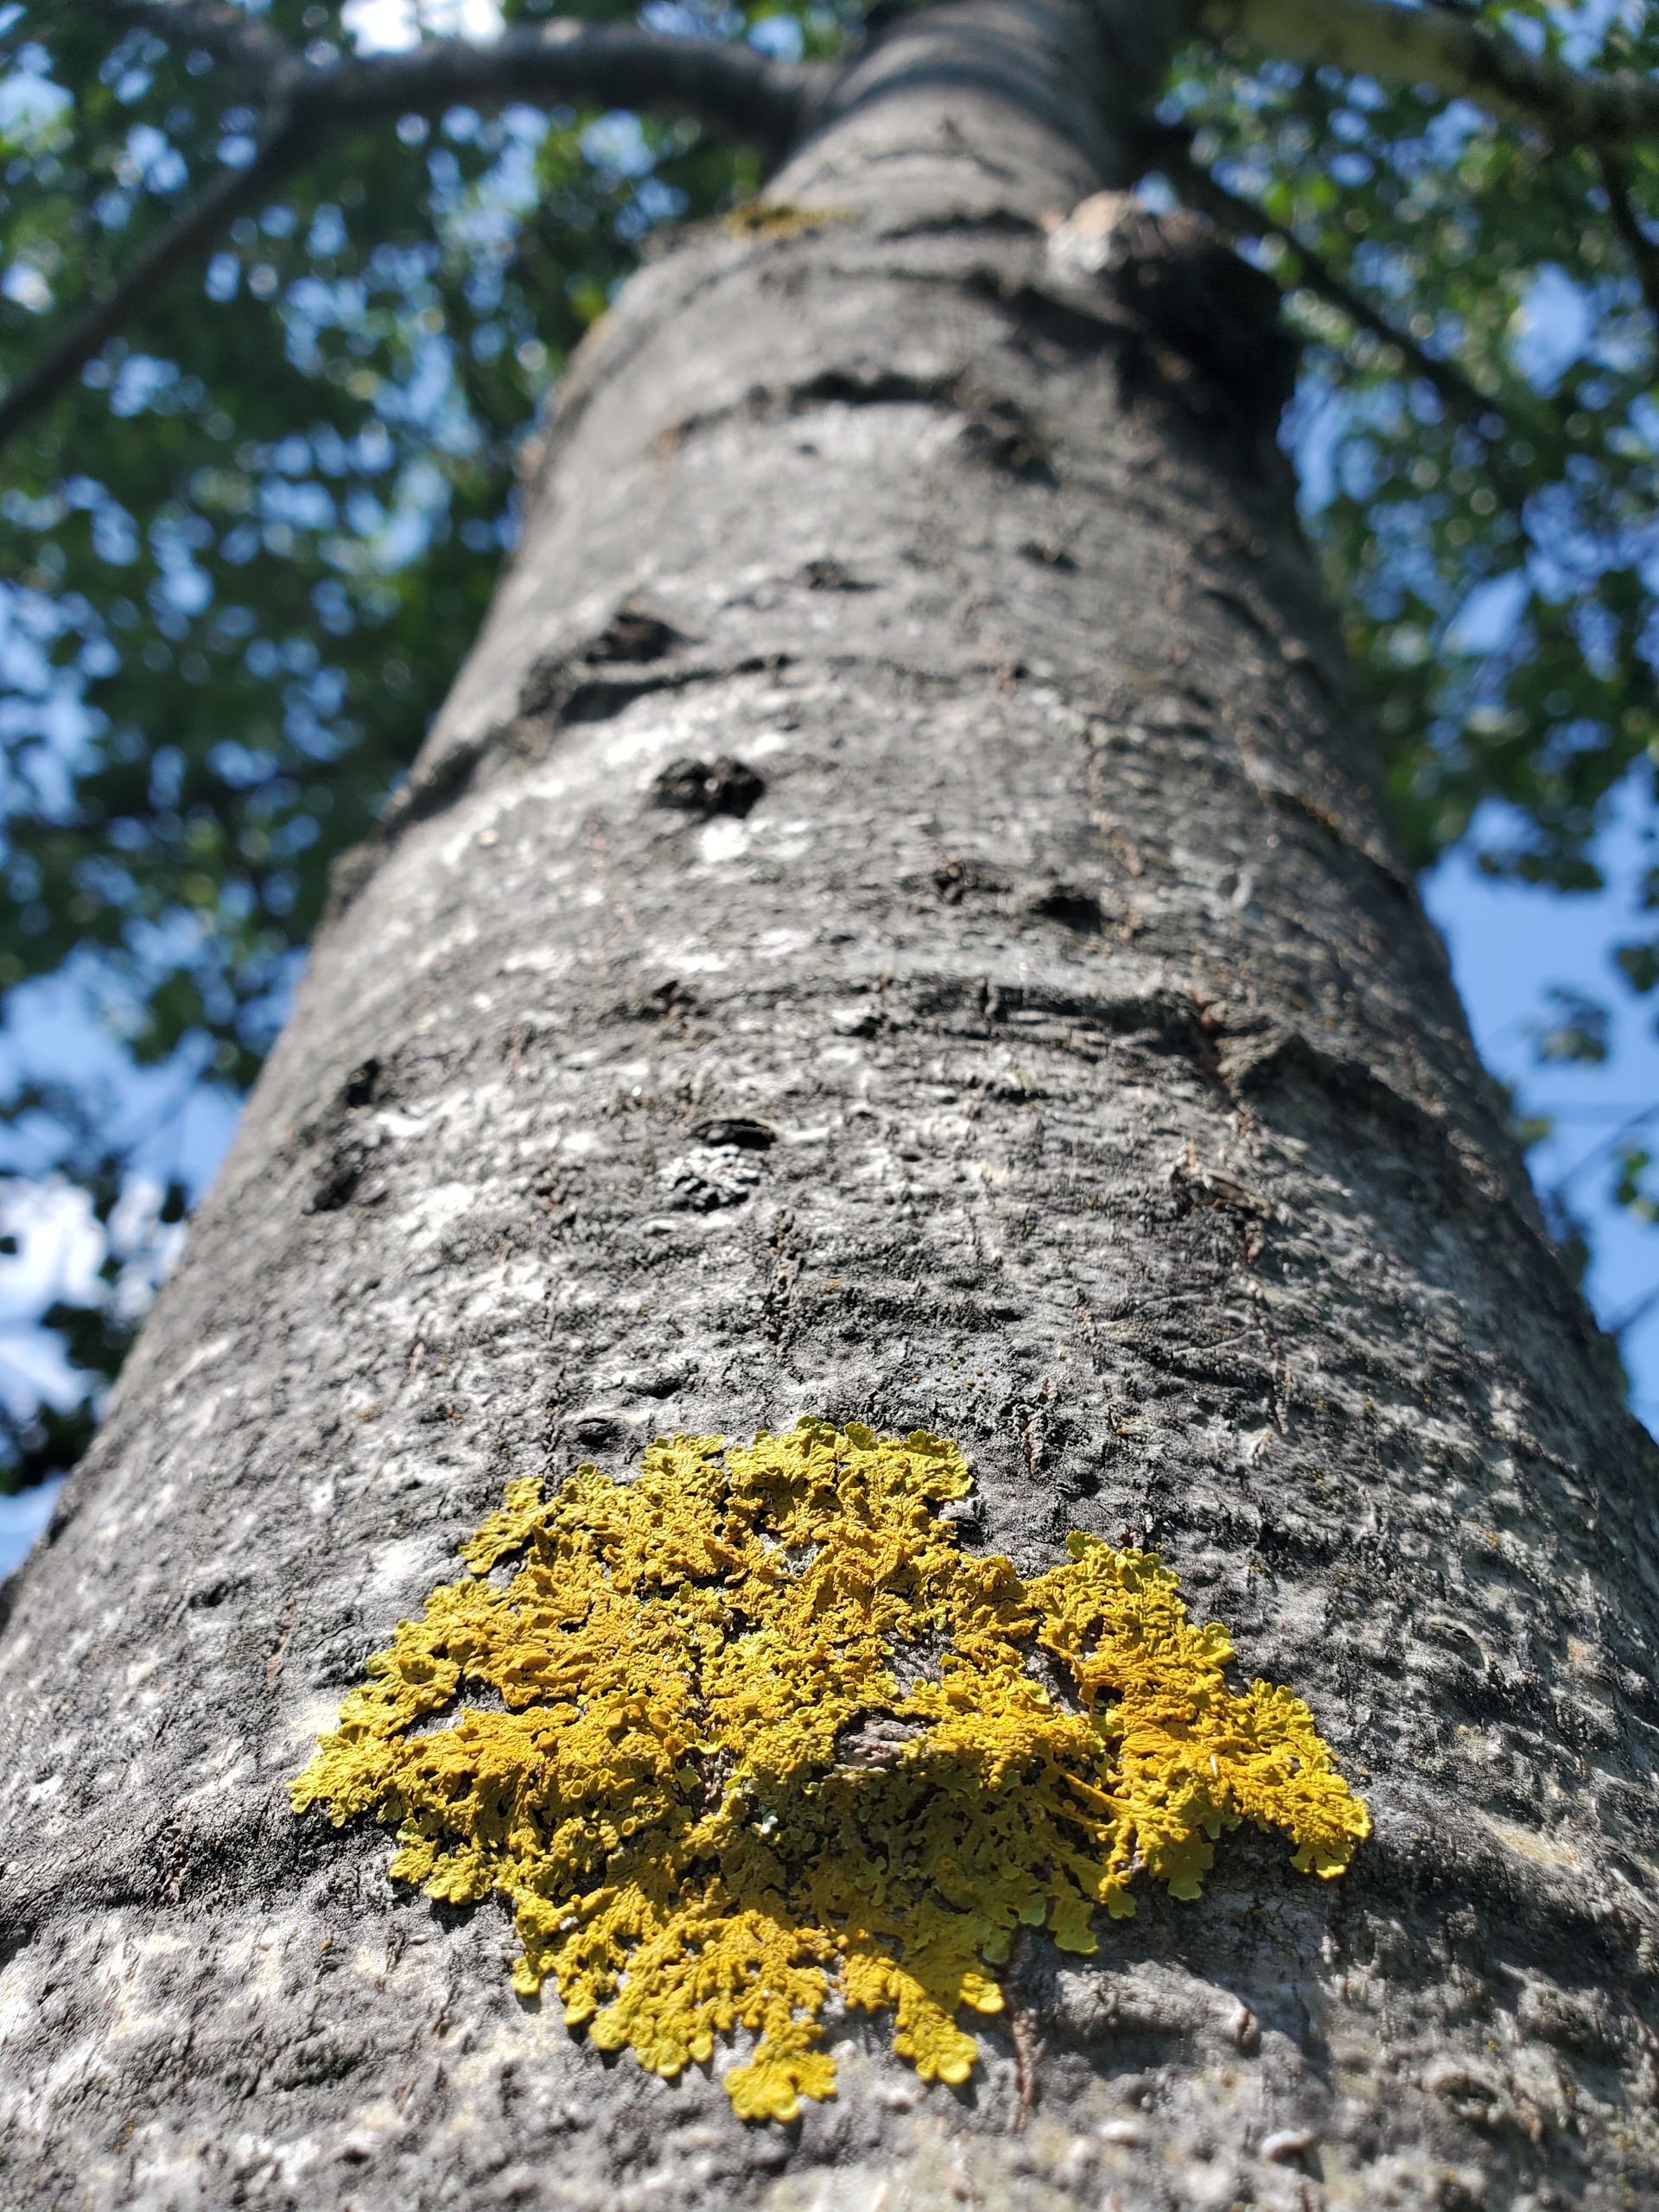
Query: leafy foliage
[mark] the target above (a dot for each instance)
(249, 548)
(1494, 546)
(246, 550)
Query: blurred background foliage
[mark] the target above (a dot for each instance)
(242, 554)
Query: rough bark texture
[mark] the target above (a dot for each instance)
(896, 923)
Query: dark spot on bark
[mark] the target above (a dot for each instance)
(342, 1146)
(632, 634)
(599, 1431)
(363, 1084)
(336, 1186)
(546, 686)
(558, 683)
(1003, 438)
(1211, 319)
(956, 878)
(1043, 325)
(559, 691)
(1050, 555)
(348, 876)
(708, 787)
(1072, 909)
(830, 574)
(597, 702)
(430, 791)
(1192, 1186)
(736, 1134)
(664, 1382)
(859, 388)
(662, 1004)
(215, 1593)
(321, 2059)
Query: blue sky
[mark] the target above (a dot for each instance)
(1509, 943)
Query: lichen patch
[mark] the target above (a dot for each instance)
(683, 1734)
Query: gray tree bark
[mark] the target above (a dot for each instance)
(897, 921)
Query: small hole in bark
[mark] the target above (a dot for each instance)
(363, 1083)
(632, 634)
(829, 575)
(708, 787)
(212, 1594)
(336, 1186)
(599, 1431)
(1072, 909)
(737, 1134)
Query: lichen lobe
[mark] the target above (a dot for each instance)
(720, 1782)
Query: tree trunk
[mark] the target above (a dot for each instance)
(897, 923)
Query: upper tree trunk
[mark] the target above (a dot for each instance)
(1123, 1126)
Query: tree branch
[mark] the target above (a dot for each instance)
(238, 40)
(284, 146)
(732, 87)
(1638, 1310)
(1643, 251)
(1457, 56)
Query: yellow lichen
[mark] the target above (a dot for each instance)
(757, 1728)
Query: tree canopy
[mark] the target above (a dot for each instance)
(282, 296)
